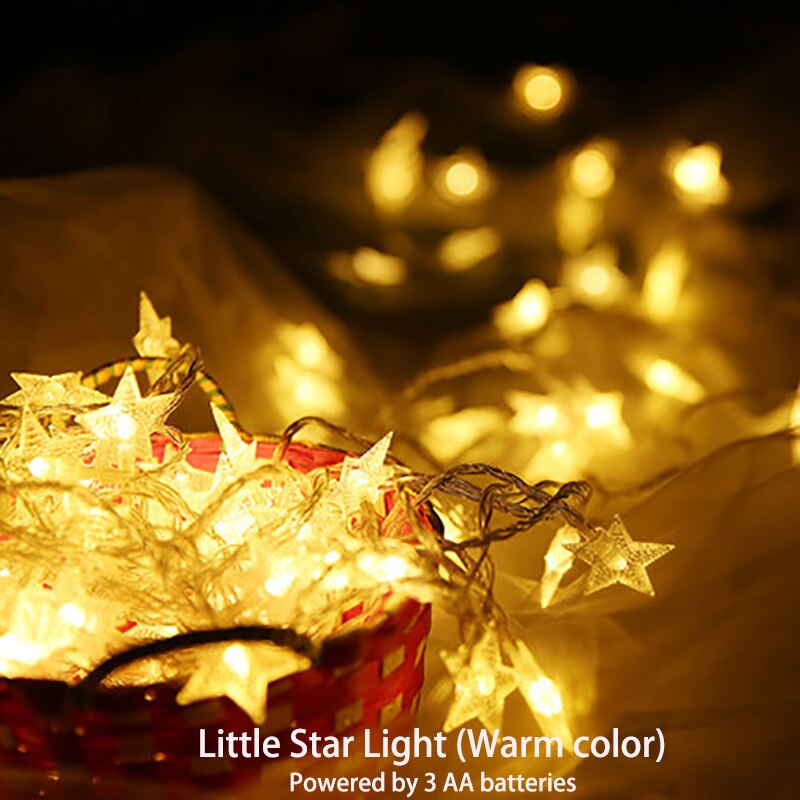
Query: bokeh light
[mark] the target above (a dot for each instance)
(541, 91)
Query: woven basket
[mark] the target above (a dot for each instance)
(122, 737)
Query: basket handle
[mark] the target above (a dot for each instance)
(283, 637)
(332, 652)
(187, 361)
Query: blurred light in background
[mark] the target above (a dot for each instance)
(463, 178)
(594, 278)
(696, 173)
(302, 391)
(555, 460)
(367, 265)
(394, 169)
(536, 415)
(526, 312)
(794, 422)
(591, 169)
(448, 436)
(577, 220)
(462, 250)
(309, 348)
(604, 411)
(667, 378)
(664, 280)
(541, 91)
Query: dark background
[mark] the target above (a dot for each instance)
(250, 99)
(329, 55)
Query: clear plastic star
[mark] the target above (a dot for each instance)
(44, 391)
(124, 426)
(238, 456)
(242, 673)
(482, 683)
(557, 562)
(613, 557)
(154, 338)
(362, 477)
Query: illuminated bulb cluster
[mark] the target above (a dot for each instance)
(113, 541)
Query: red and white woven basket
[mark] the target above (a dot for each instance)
(139, 736)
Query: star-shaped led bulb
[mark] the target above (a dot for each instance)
(123, 427)
(613, 557)
(45, 391)
(154, 338)
(482, 683)
(243, 673)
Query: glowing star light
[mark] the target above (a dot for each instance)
(362, 477)
(526, 312)
(613, 557)
(154, 339)
(44, 391)
(124, 426)
(242, 673)
(239, 456)
(557, 562)
(482, 683)
(540, 692)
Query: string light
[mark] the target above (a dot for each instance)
(482, 682)
(591, 169)
(664, 280)
(557, 562)
(374, 267)
(536, 415)
(123, 427)
(154, 338)
(696, 174)
(394, 169)
(138, 538)
(449, 436)
(43, 391)
(540, 692)
(667, 378)
(613, 557)
(541, 91)
(594, 278)
(463, 250)
(577, 220)
(526, 313)
(243, 673)
(794, 422)
(463, 178)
